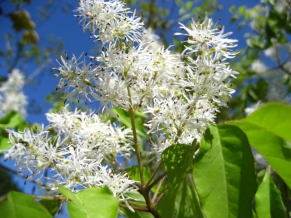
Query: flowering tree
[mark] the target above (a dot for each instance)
(153, 148)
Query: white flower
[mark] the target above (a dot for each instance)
(122, 77)
(151, 39)
(75, 156)
(271, 52)
(119, 184)
(183, 107)
(205, 37)
(281, 6)
(184, 122)
(136, 74)
(33, 152)
(181, 99)
(76, 77)
(111, 19)
(89, 131)
(11, 95)
(259, 67)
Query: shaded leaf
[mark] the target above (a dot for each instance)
(19, 205)
(177, 160)
(137, 214)
(181, 202)
(224, 173)
(51, 206)
(268, 199)
(4, 141)
(12, 120)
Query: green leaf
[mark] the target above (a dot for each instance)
(137, 214)
(188, 5)
(21, 20)
(241, 10)
(133, 172)
(51, 206)
(75, 211)
(187, 201)
(181, 202)
(4, 140)
(268, 131)
(179, 3)
(136, 197)
(224, 173)
(68, 194)
(124, 118)
(19, 205)
(268, 199)
(12, 120)
(177, 160)
(91, 202)
(267, 117)
(232, 9)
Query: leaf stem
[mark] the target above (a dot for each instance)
(59, 198)
(137, 151)
(136, 208)
(153, 175)
(157, 190)
(157, 180)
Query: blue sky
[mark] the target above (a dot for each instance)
(65, 27)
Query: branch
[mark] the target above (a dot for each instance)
(20, 175)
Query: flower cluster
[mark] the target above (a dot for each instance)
(77, 155)
(179, 93)
(11, 95)
(111, 19)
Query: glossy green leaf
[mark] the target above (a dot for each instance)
(268, 199)
(91, 202)
(19, 205)
(76, 211)
(274, 117)
(181, 202)
(224, 173)
(177, 160)
(268, 131)
(68, 194)
(51, 206)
